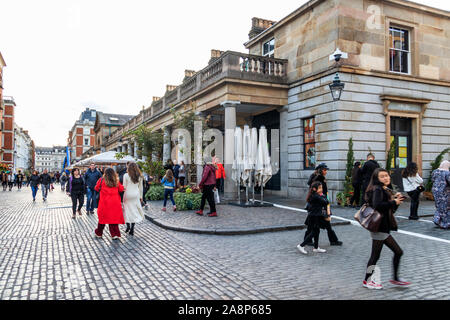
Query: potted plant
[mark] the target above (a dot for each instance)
(341, 199)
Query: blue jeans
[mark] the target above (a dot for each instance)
(168, 193)
(90, 199)
(34, 191)
(44, 188)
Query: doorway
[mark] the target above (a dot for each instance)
(401, 134)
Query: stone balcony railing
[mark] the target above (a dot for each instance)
(230, 65)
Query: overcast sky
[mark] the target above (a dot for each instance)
(64, 56)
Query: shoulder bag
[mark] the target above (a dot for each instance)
(368, 218)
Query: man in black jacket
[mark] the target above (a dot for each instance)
(45, 181)
(90, 179)
(366, 172)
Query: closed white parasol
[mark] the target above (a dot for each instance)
(267, 166)
(246, 152)
(237, 162)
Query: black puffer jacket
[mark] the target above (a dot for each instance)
(45, 178)
(381, 200)
(317, 204)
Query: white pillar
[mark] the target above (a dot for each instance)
(284, 171)
(230, 188)
(166, 147)
(135, 151)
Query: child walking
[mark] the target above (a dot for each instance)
(168, 182)
(317, 209)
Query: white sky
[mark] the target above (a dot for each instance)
(64, 56)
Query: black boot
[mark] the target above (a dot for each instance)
(132, 230)
(128, 228)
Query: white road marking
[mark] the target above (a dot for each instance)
(356, 223)
(422, 220)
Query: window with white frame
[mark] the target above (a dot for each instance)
(268, 49)
(399, 50)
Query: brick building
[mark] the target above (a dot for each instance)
(81, 136)
(2, 107)
(7, 156)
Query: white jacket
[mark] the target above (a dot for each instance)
(411, 183)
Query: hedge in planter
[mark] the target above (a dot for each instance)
(155, 192)
(187, 201)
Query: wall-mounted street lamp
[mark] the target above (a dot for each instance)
(337, 86)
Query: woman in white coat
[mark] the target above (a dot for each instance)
(132, 198)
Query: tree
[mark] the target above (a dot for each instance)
(348, 187)
(390, 156)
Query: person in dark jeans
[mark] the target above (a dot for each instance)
(412, 184)
(91, 177)
(176, 172)
(76, 190)
(34, 182)
(45, 181)
(322, 171)
(366, 172)
(208, 184)
(356, 183)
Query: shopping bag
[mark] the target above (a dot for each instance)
(216, 196)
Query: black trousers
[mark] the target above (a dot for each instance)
(414, 203)
(377, 245)
(356, 194)
(77, 197)
(208, 194)
(313, 233)
(332, 237)
(220, 184)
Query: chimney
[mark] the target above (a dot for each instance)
(215, 54)
(258, 26)
(188, 74)
(170, 87)
(156, 99)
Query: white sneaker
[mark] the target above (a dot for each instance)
(319, 250)
(372, 285)
(302, 249)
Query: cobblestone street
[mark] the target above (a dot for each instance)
(45, 254)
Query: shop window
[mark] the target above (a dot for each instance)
(309, 149)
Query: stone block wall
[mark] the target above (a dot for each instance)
(359, 114)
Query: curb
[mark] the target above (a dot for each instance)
(233, 232)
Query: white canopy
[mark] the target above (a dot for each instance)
(103, 158)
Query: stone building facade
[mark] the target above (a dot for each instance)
(50, 158)
(23, 150)
(105, 125)
(397, 86)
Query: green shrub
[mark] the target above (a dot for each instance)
(155, 192)
(187, 201)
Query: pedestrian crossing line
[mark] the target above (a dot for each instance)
(356, 223)
(422, 220)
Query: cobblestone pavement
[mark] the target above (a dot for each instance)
(47, 255)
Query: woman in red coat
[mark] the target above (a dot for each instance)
(109, 208)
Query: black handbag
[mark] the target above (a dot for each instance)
(368, 218)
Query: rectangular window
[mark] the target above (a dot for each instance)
(399, 51)
(86, 141)
(269, 48)
(309, 149)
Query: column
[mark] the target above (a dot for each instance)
(199, 174)
(166, 147)
(284, 163)
(230, 187)
(135, 151)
